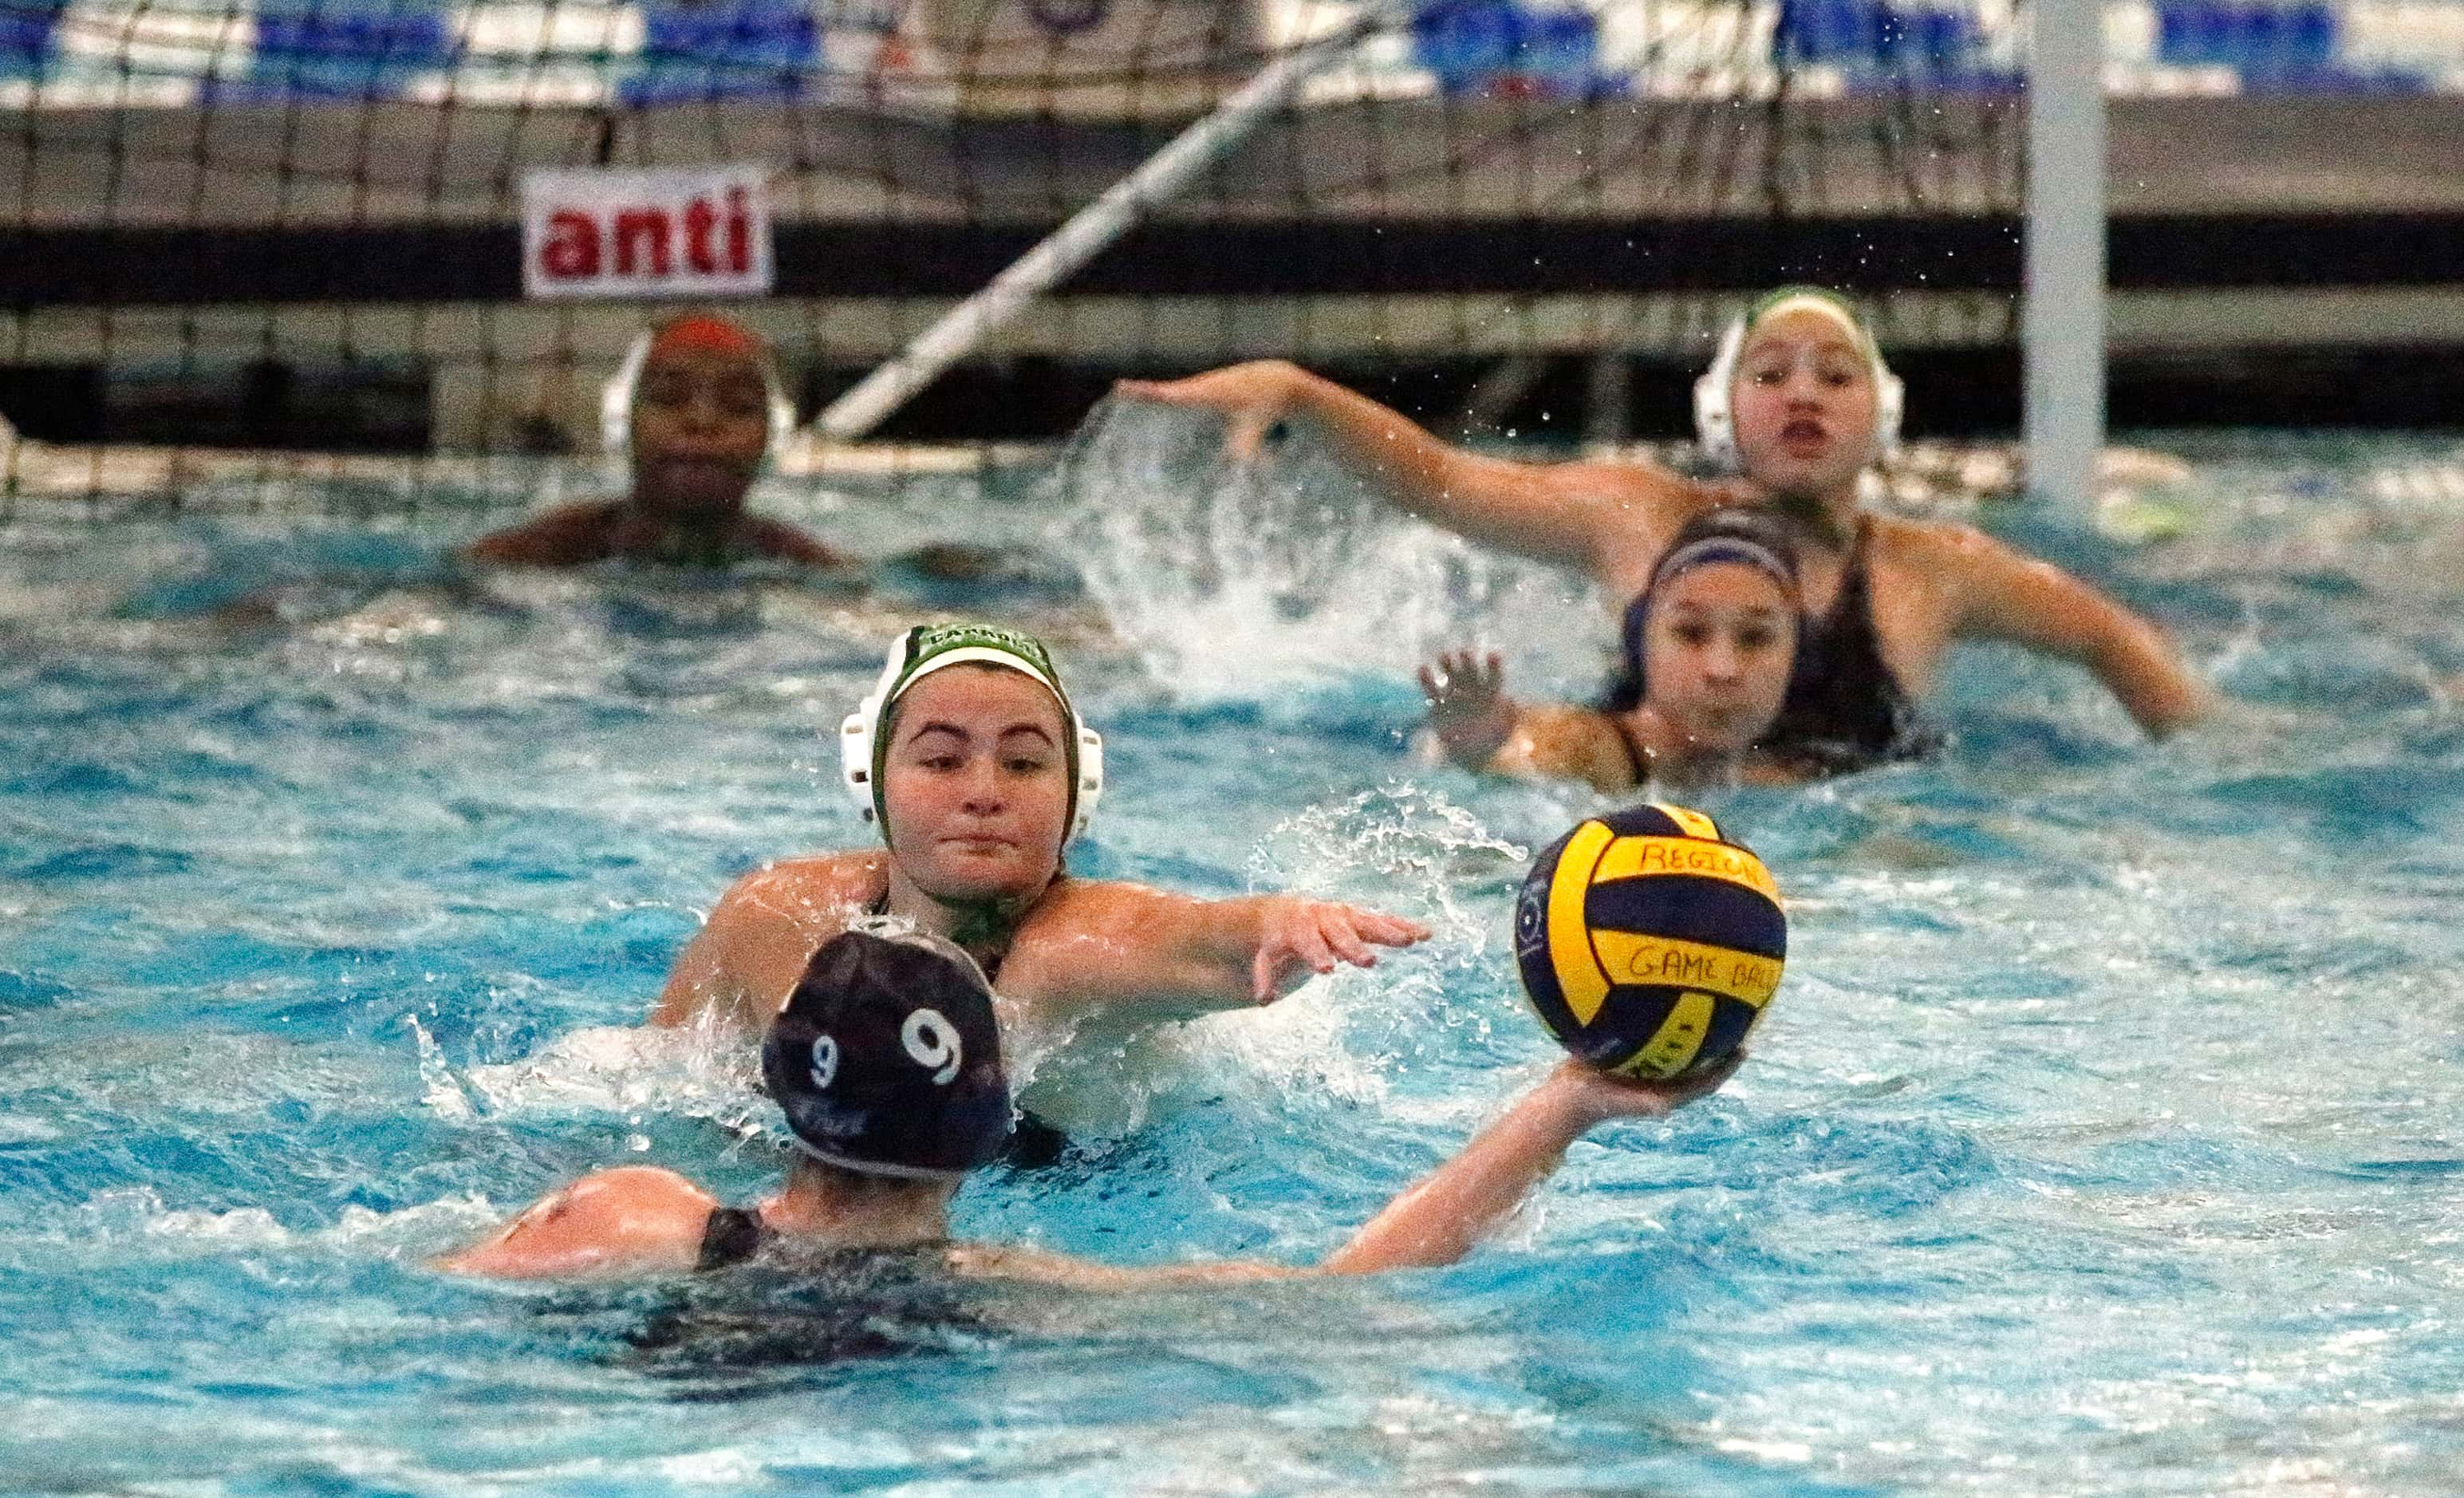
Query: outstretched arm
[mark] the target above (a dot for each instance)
(2008, 596)
(1574, 515)
(1438, 1221)
(1129, 950)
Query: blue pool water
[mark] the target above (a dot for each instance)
(2104, 1137)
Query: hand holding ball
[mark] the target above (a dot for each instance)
(1649, 944)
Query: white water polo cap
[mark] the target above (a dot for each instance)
(1715, 414)
(864, 748)
(695, 334)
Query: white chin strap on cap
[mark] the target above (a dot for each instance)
(1715, 411)
(861, 728)
(616, 402)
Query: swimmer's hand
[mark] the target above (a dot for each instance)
(1251, 398)
(1591, 1096)
(1468, 708)
(1298, 936)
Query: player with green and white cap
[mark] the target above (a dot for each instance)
(970, 759)
(1799, 403)
(863, 745)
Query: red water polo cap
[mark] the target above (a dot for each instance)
(704, 335)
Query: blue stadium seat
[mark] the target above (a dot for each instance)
(1825, 30)
(343, 49)
(1876, 43)
(1497, 46)
(26, 29)
(723, 49)
(2259, 41)
(2283, 48)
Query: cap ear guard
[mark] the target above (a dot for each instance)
(1890, 404)
(616, 399)
(859, 729)
(1090, 775)
(1715, 411)
(616, 402)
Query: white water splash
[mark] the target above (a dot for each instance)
(704, 1070)
(1229, 576)
(1401, 846)
(438, 1089)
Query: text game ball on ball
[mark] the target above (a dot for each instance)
(1648, 943)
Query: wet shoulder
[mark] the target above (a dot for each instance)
(814, 881)
(568, 535)
(1926, 555)
(779, 541)
(1075, 912)
(1646, 506)
(626, 1220)
(1908, 536)
(1088, 939)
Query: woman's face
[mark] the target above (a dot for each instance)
(1717, 650)
(701, 427)
(975, 786)
(1805, 405)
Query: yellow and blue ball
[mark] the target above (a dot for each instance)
(1649, 943)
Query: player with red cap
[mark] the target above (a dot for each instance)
(696, 410)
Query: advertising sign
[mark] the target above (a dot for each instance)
(700, 232)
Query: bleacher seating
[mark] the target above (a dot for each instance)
(343, 49)
(723, 49)
(671, 52)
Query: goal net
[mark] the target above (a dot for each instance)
(404, 243)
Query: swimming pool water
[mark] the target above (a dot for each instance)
(2102, 1138)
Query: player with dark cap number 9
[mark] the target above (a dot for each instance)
(887, 1063)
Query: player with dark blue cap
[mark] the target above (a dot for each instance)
(886, 1059)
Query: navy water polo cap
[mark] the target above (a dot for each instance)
(1740, 533)
(885, 1058)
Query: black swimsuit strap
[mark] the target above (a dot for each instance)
(1845, 707)
(1853, 605)
(732, 1236)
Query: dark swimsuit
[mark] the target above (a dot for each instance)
(768, 1319)
(1844, 711)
